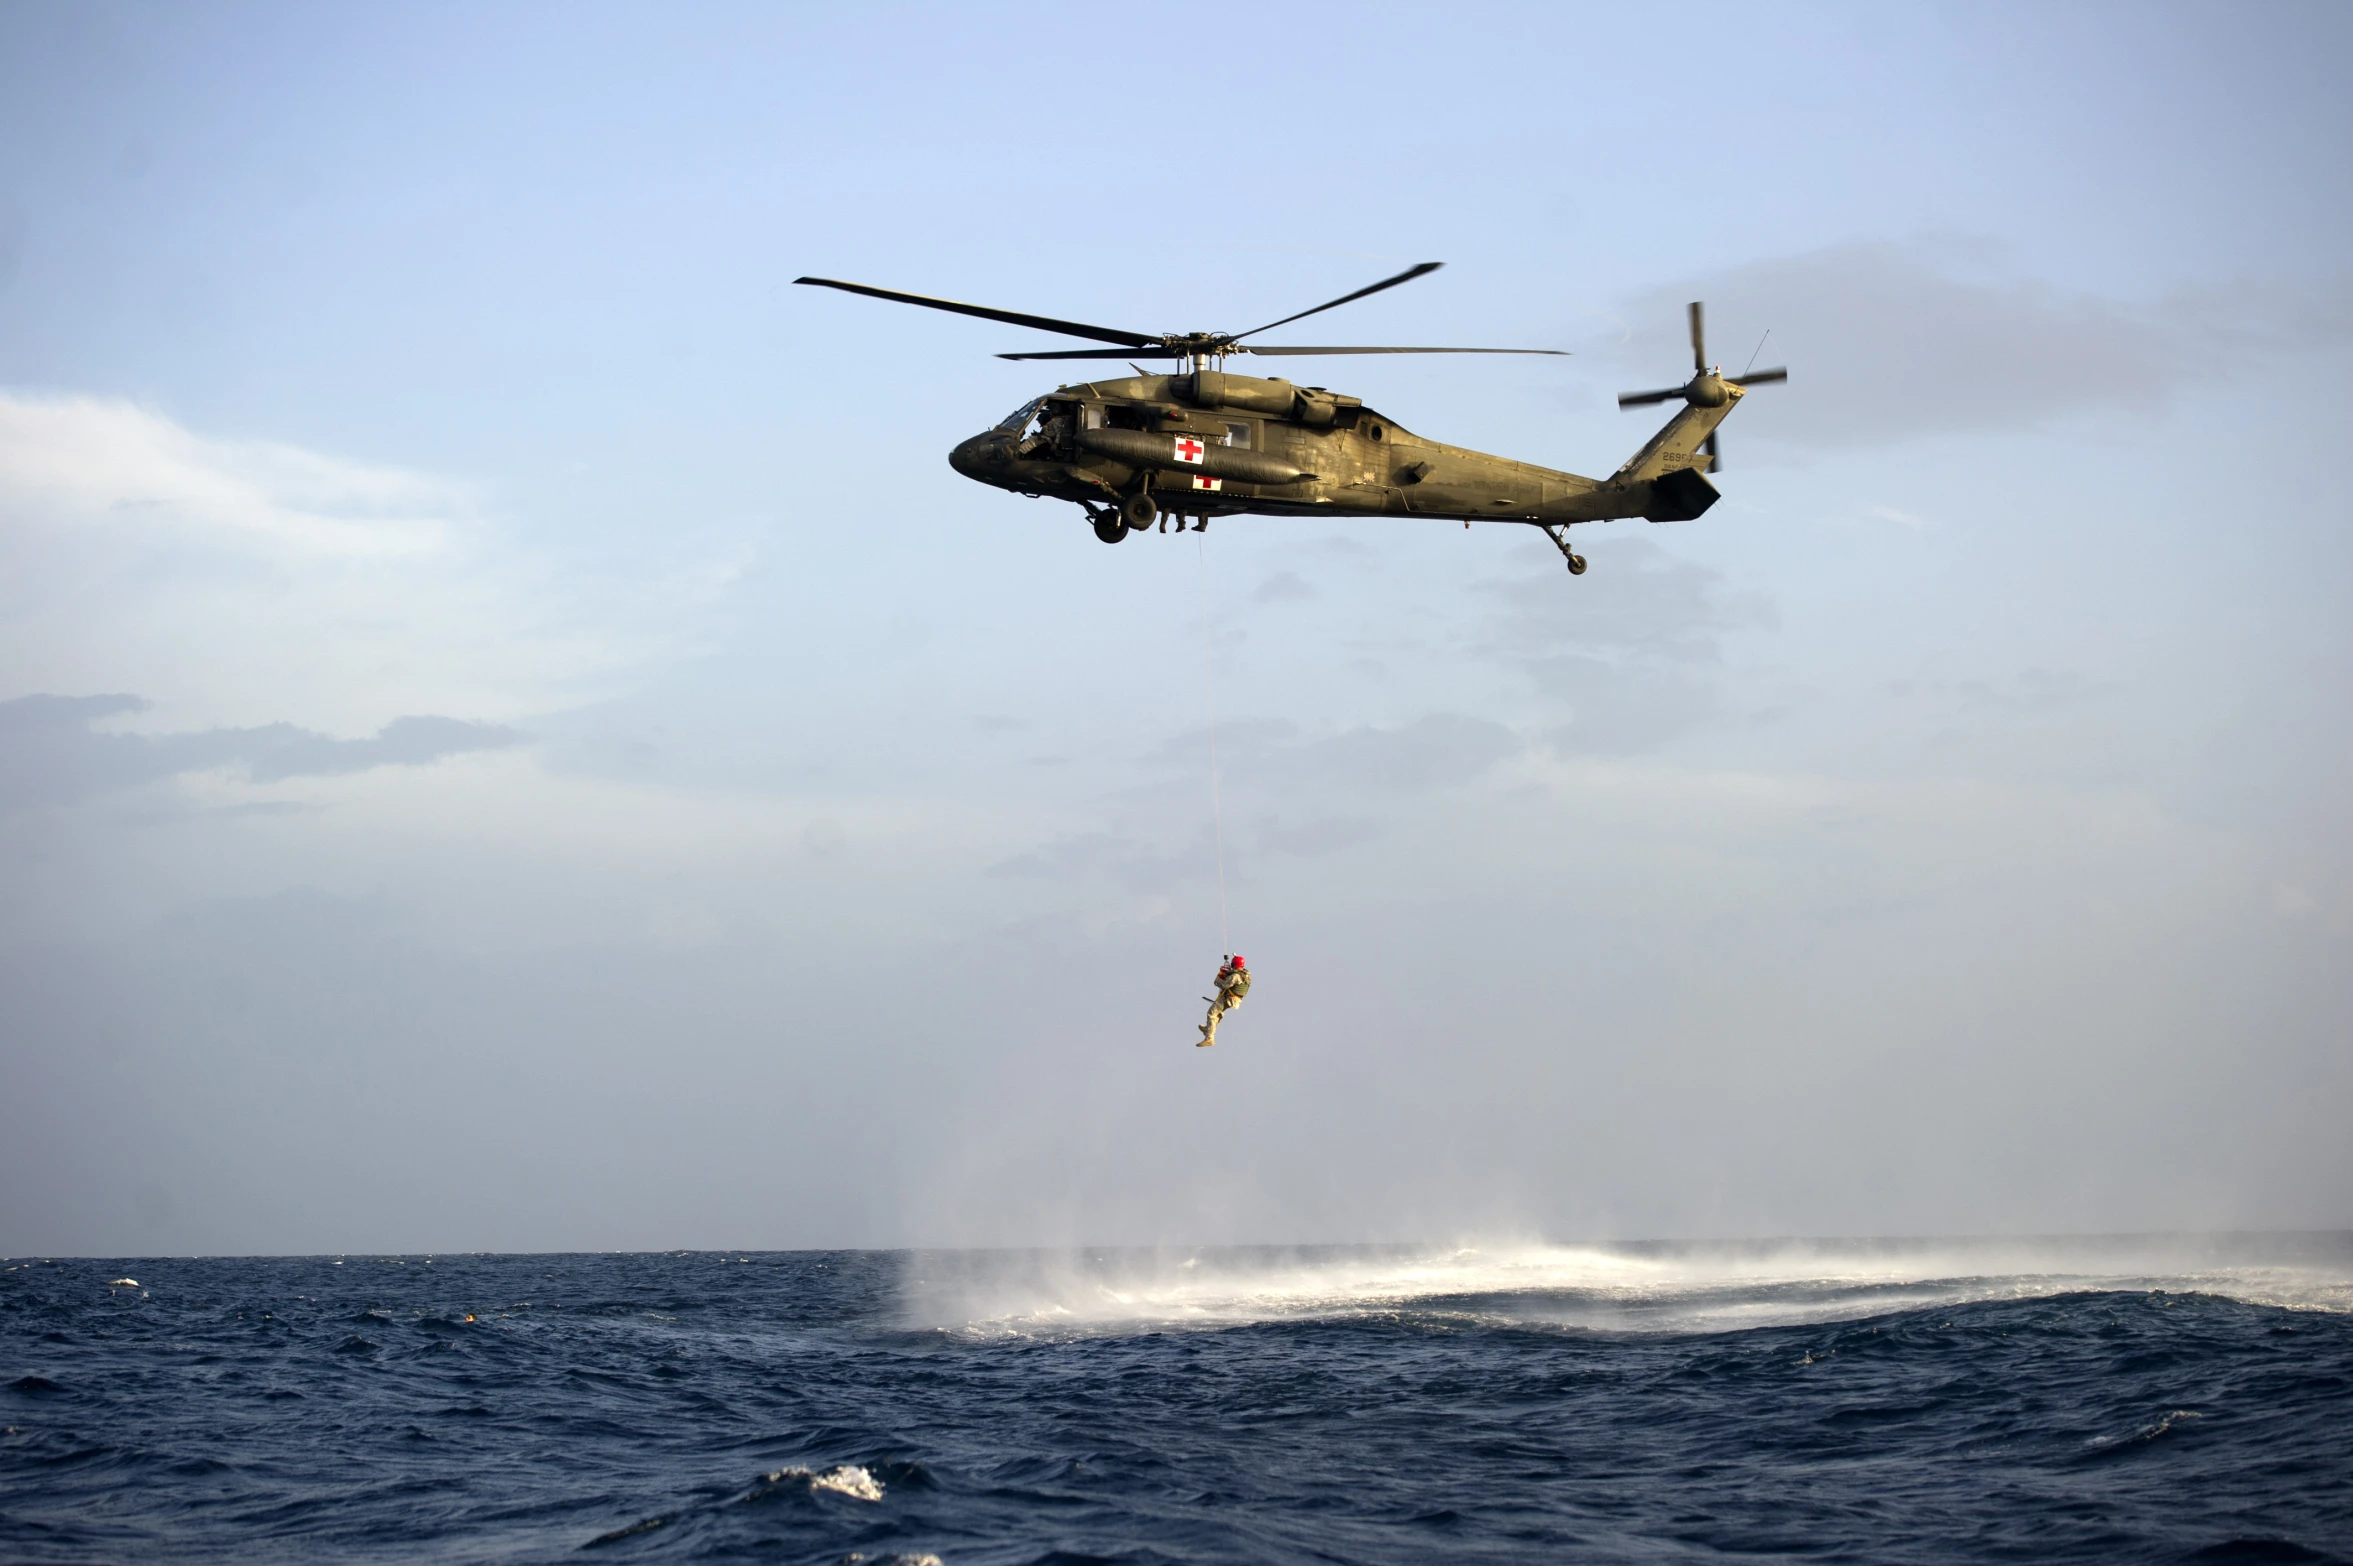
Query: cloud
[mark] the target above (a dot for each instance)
(1442, 750)
(1435, 751)
(50, 755)
(2030, 692)
(1632, 654)
(1316, 837)
(1340, 547)
(1283, 587)
(238, 583)
(1127, 861)
(1888, 342)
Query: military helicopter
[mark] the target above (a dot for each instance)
(1204, 443)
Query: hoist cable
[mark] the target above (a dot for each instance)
(1209, 697)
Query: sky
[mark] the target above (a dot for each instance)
(512, 736)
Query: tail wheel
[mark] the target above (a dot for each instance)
(1110, 529)
(1139, 512)
(1576, 565)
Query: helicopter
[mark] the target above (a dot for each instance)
(1205, 442)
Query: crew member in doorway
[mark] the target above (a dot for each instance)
(1233, 982)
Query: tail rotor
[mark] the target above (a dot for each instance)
(1706, 386)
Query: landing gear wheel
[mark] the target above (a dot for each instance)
(1559, 534)
(1109, 528)
(1139, 512)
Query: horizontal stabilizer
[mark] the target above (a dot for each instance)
(1679, 496)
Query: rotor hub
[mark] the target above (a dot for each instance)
(1709, 390)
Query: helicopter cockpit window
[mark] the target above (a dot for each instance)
(1018, 421)
(1237, 434)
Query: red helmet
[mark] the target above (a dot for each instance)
(1240, 961)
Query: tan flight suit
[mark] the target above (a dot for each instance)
(1232, 984)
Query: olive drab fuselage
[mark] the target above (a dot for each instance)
(1208, 443)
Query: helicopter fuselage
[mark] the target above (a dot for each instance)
(1208, 443)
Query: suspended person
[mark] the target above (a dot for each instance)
(1233, 982)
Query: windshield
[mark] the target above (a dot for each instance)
(1018, 419)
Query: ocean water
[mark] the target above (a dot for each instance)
(2126, 1400)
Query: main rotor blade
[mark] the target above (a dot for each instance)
(1699, 345)
(1406, 276)
(1560, 353)
(1044, 323)
(1155, 351)
(1285, 352)
(1637, 399)
(1760, 377)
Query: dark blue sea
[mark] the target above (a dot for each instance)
(2025, 1401)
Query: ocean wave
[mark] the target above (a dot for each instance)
(1646, 1288)
(1995, 1401)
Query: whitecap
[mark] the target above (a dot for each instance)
(1647, 1288)
(2146, 1432)
(850, 1479)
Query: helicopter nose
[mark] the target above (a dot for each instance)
(977, 457)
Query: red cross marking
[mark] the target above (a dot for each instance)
(1188, 449)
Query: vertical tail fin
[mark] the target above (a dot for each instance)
(1683, 443)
